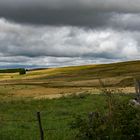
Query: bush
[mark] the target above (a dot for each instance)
(22, 71)
(120, 121)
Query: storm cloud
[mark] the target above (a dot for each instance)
(54, 45)
(46, 33)
(95, 13)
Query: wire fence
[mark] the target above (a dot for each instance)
(30, 124)
(39, 125)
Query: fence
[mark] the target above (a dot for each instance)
(40, 130)
(137, 88)
(34, 126)
(39, 125)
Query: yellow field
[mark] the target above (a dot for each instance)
(56, 82)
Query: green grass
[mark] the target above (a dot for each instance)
(18, 118)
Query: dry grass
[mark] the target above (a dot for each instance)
(69, 80)
(10, 92)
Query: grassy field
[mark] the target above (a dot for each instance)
(21, 96)
(18, 118)
(67, 80)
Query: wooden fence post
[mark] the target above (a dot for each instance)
(137, 88)
(40, 126)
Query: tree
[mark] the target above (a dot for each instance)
(22, 71)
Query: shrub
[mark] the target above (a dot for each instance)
(22, 71)
(120, 121)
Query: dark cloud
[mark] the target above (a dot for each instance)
(93, 13)
(97, 5)
(125, 21)
(67, 45)
(68, 32)
(59, 17)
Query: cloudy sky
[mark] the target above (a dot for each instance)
(48, 33)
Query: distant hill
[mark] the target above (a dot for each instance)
(114, 74)
(131, 68)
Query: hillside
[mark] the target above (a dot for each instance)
(21, 96)
(122, 72)
(54, 82)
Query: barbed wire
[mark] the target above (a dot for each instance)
(34, 120)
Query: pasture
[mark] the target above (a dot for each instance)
(18, 119)
(69, 80)
(73, 91)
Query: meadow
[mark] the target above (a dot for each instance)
(18, 119)
(54, 82)
(73, 91)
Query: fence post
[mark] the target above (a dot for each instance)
(137, 88)
(40, 126)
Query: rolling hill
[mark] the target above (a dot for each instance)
(66, 80)
(123, 73)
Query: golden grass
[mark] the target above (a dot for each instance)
(57, 81)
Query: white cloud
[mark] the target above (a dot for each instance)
(65, 45)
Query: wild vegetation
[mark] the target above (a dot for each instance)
(120, 121)
(57, 81)
(18, 119)
(21, 96)
(20, 70)
(121, 72)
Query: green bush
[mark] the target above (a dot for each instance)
(120, 121)
(22, 71)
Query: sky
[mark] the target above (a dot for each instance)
(55, 33)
